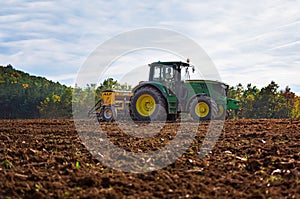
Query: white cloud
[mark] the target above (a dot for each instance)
(252, 42)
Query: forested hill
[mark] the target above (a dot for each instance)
(24, 96)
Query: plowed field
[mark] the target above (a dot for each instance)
(252, 159)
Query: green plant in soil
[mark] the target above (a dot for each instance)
(7, 164)
(77, 165)
(273, 178)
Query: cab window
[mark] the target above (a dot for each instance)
(157, 73)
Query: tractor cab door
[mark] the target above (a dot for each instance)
(165, 75)
(181, 90)
(170, 76)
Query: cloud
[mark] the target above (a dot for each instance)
(64, 77)
(286, 45)
(252, 42)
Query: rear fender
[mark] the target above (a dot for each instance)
(157, 86)
(162, 89)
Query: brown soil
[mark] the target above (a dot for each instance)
(252, 159)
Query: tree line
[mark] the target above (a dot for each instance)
(267, 102)
(23, 96)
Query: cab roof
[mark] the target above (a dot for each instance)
(170, 63)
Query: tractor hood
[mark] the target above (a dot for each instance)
(206, 81)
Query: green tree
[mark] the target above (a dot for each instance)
(296, 108)
(21, 93)
(236, 92)
(272, 103)
(249, 98)
(267, 102)
(111, 84)
(56, 106)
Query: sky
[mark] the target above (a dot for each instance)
(248, 41)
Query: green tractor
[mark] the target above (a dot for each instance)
(166, 95)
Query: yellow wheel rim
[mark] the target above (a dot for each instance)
(202, 109)
(220, 110)
(145, 105)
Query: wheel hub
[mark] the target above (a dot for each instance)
(202, 109)
(145, 105)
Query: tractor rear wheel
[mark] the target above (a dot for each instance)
(148, 104)
(203, 108)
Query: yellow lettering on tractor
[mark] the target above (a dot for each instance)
(108, 98)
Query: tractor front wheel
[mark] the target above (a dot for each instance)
(203, 108)
(148, 104)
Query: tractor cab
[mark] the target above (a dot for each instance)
(169, 74)
(166, 71)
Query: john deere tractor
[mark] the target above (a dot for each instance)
(166, 95)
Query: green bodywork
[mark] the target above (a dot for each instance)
(214, 89)
(178, 94)
(233, 104)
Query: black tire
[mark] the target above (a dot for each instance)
(109, 114)
(152, 110)
(206, 103)
(222, 112)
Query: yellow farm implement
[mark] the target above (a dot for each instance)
(112, 104)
